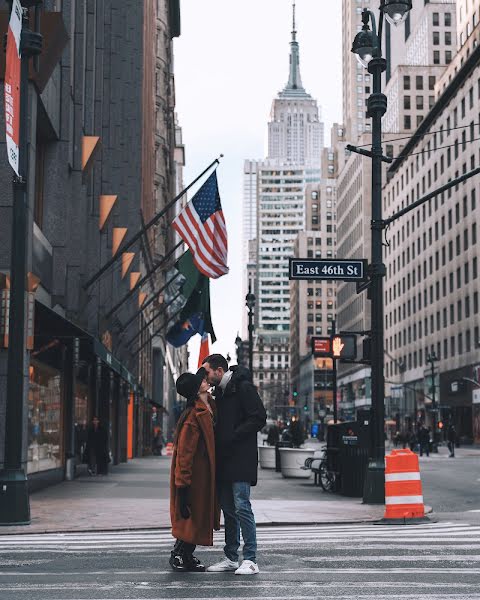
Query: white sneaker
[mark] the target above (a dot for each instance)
(224, 565)
(248, 567)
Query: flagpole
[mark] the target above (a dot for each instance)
(160, 312)
(165, 323)
(152, 222)
(142, 281)
(148, 302)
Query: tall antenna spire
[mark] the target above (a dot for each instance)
(294, 30)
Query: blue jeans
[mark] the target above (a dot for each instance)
(234, 500)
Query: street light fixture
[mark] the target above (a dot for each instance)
(396, 11)
(250, 303)
(365, 45)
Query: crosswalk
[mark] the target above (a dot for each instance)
(428, 561)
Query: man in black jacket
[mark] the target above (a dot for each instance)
(240, 416)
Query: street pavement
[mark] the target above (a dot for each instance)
(348, 562)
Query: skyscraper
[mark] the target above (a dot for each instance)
(276, 188)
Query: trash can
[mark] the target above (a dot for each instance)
(278, 445)
(348, 452)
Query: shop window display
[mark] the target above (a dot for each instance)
(45, 438)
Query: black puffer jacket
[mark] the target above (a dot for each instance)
(240, 416)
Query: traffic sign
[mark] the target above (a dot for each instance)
(344, 346)
(329, 269)
(321, 346)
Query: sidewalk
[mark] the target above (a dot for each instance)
(136, 496)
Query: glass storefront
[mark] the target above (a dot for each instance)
(45, 435)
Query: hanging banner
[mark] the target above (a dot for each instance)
(12, 86)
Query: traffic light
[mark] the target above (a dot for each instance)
(344, 346)
(305, 407)
(295, 393)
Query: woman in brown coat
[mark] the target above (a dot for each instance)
(194, 510)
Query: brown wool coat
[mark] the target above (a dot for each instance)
(193, 466)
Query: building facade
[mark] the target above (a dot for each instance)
(432, 285)
(100, 151)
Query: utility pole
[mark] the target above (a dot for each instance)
(14, 498)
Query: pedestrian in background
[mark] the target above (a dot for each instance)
(273, 435)
(194, 509)
(424, 440)
(241, 415)
(97, 448)
(451, 440)
(412, 441)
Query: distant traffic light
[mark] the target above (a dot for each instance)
(305, 407)
(295, 393)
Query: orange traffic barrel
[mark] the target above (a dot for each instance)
(403, 486)
(169, 449)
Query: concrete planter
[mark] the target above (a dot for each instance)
(293, 459)
(266, 455)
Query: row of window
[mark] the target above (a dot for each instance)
(455, 313)
(402, 286)
(464, 341)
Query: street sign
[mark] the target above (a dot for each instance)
(327, 269)
(12, 86)
(321, 346)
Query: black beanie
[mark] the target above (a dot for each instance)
(188, 384)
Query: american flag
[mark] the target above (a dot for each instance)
(202, 227)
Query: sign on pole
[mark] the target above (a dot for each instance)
(320, 268)
(337, 346)
(12, 86)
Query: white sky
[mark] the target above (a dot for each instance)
(231, 60)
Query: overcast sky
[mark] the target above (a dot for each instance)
(231, 60)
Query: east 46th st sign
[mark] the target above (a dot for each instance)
(309, 268)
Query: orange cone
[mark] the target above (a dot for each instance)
(403, 486)
(169, 449)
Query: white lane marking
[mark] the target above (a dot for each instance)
(275, 572)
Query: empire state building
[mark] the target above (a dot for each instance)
(295, 132)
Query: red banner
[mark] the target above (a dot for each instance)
(12, 86)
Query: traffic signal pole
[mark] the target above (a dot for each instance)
(334, 380)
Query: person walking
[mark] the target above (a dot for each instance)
(194, 509)
(97, 448)
(241, 415)
(451, 440)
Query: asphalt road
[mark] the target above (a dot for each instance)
(427, 562)
(452, 485)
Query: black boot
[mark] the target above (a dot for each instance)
(194, 565)
(178, 562)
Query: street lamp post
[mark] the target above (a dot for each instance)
(367, 47)
(432, 359)
(14, 498)
(250, 303)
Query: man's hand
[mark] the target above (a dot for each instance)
(183, 502)
(337, 346)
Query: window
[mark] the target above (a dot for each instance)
(406, 103)
(407, 122)
(436, 19)
(448, 57)
(448, 19)
(419, 82)
(406, 82)
(436, 57)
(431, 82)
(436, 38)
(419, 101)
(448, 38)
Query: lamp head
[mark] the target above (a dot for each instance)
(396, 11)
(250, 300)
(365, 43)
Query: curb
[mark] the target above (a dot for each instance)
(371, 520)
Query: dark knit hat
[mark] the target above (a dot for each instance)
(188, 384)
